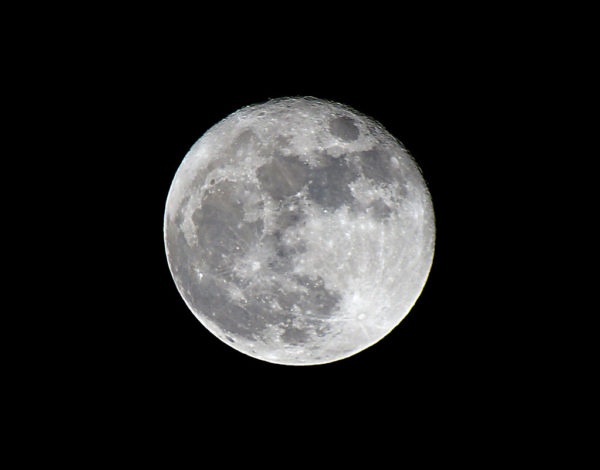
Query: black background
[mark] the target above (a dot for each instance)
(144, 102)
(111, 100)
(433, 108)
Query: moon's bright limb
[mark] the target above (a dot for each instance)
(299, 231)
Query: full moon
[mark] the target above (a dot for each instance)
(299, 231)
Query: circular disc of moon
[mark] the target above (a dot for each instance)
(299, 231)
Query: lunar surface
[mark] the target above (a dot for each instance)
(299, 231)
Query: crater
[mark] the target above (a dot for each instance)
(344, 128)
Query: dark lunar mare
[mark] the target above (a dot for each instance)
(328, 184)
(282, 177)
(222, 242)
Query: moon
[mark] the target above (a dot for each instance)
(299, 231)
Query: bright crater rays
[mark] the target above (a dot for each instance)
(299, 231)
